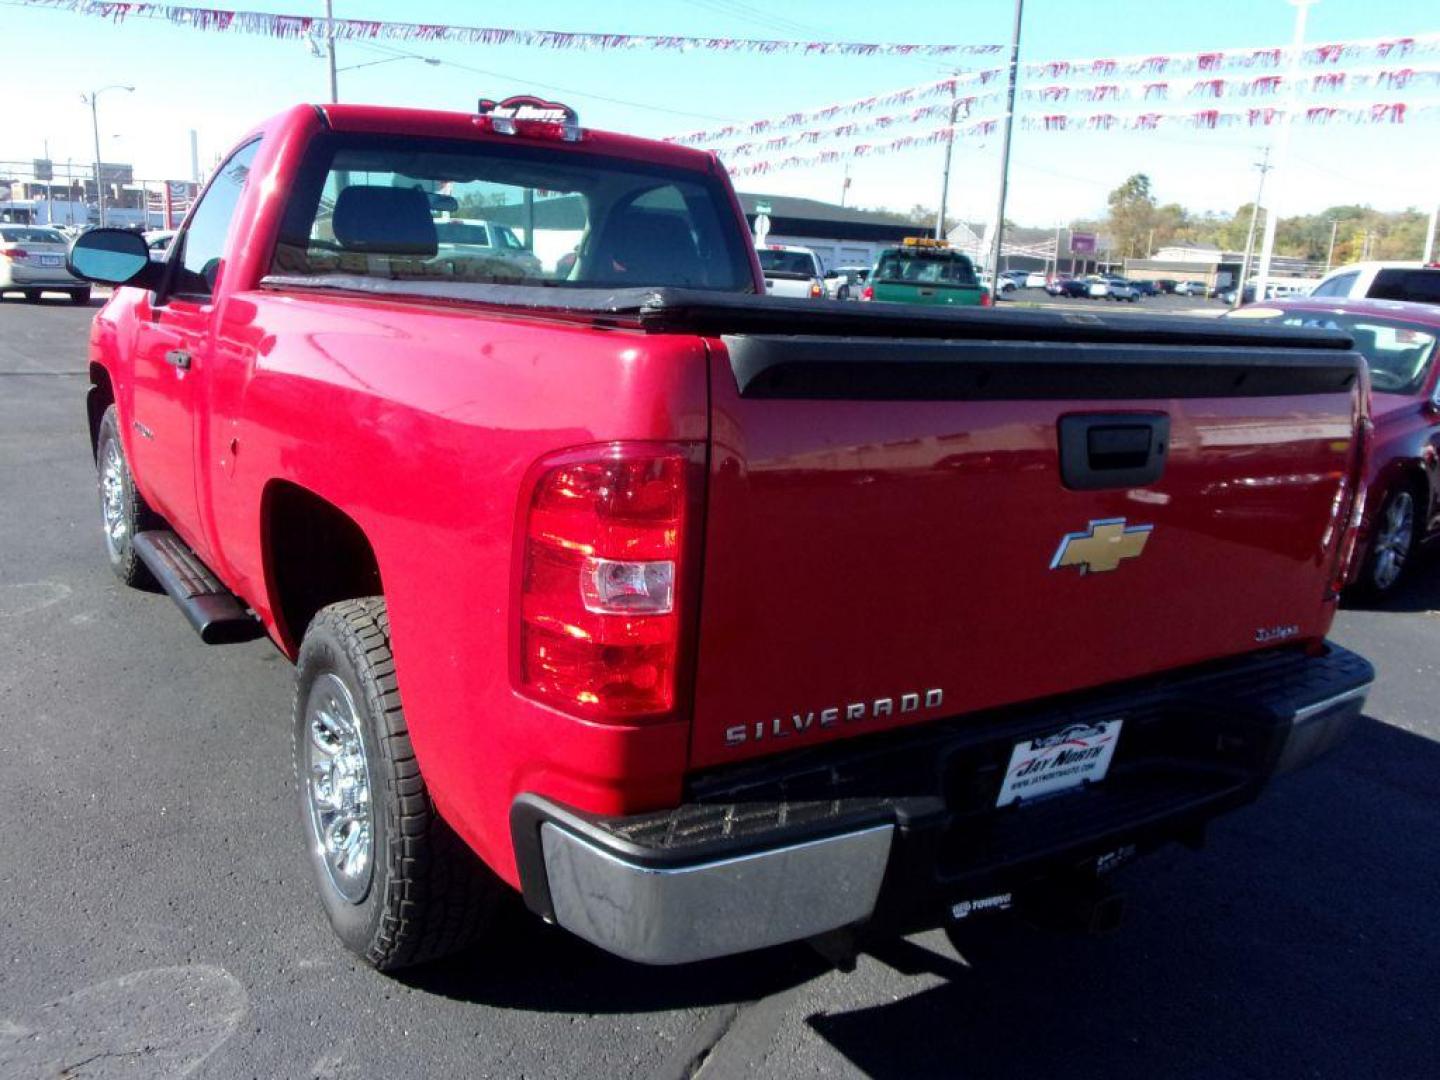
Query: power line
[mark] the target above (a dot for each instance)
(377, 47)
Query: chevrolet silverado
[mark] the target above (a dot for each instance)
(706, 620)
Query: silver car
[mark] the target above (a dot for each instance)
(32, 261)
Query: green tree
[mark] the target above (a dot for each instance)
(1132, 216)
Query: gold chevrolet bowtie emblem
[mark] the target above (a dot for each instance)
(1100, 548)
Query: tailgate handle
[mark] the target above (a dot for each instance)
(1112, 450)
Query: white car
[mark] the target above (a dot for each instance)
(1035, 280)
(792, 271)
(1417, 282)
(1098, 289)
(1007, 285)
(1191, 288)
(474, 239)
(32, 261)
(845, 282)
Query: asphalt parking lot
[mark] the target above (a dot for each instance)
(1167, 303)
(157, 917)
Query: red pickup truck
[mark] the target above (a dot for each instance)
(707, 620)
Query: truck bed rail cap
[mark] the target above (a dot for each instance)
(702, 311)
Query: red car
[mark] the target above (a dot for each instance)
(1402, 508)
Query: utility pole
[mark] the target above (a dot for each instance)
(194, 156)
(1005, 147)
(1282, 146)
(949, 152)
(330, 51)
(1264, 167)
(1430, 234)
(1330, 254)
(845, 189)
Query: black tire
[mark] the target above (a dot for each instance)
(427, 894)
(842, 293)
(118, 496)
(80, 296)
(1379, 576)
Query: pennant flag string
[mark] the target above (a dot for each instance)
(269, 24)
(1379, 50)
(1380, 112)
(895, 97)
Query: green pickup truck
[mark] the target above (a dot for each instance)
(924, 271)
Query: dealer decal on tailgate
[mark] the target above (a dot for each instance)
(1065, 759)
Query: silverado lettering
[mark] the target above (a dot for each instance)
(492, 430)
(799, 724)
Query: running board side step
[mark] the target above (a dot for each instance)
(214, 611)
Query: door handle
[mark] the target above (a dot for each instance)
(178, 357)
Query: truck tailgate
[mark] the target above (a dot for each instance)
(889, 538)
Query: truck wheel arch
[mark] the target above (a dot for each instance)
(315, 555)
(98, 398)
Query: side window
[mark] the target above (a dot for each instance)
(209, 226)
(1337, 286)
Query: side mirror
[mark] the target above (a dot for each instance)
(113, 257)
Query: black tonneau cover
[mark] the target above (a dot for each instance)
(698, 311)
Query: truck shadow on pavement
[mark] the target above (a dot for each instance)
(1300, 942)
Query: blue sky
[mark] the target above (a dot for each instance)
(220, 84)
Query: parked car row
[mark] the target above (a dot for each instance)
(1097, 287)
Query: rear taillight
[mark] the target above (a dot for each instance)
(816, 290)
(985, 298)
(13, 253)
(600, 581)
(1353, 516)
(867, 293)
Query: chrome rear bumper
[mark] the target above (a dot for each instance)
(674, 915)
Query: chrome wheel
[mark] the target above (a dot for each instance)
(112, 500)
(1393, 540)
(337, 783)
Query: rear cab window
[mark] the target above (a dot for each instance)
(788, 264)
(925, 267)
(396, 209)
(1419, 285)
(31, 236)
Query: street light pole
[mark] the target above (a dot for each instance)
(1330, 252)
(1430, 234)
(994, 255)
(330, 51)
(99, 189)
(92, 101)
